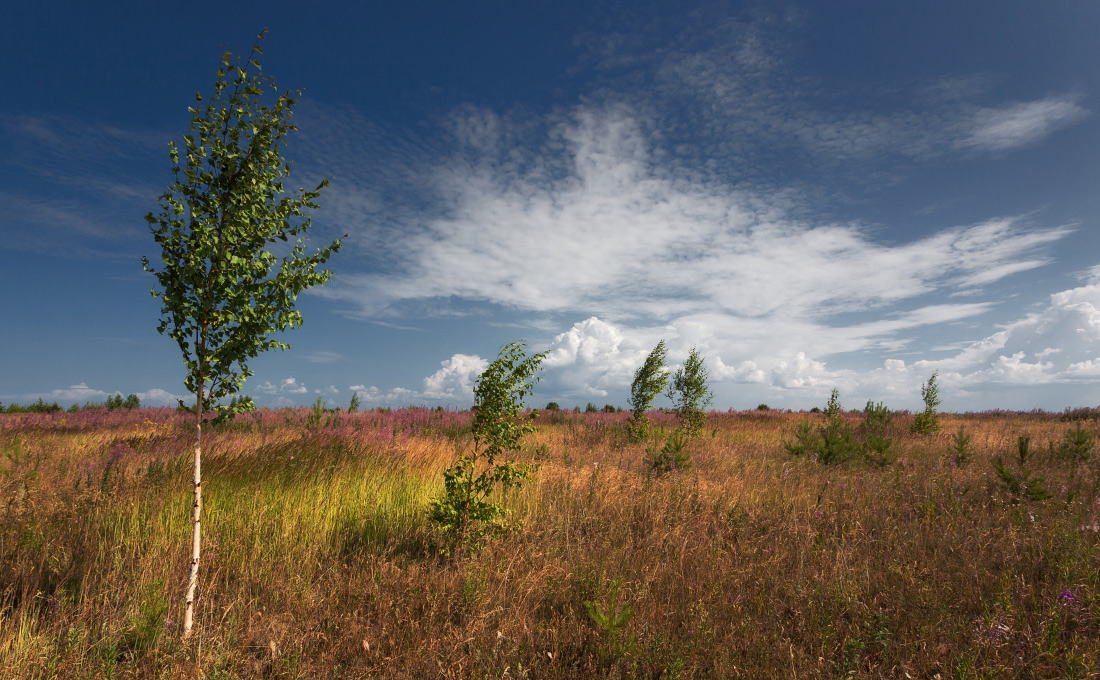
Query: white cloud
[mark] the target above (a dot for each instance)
(286, 386)
(81, 393)
(455, 380)
(1021, 124)
(292, 386)
(158, 397)
(612, 230)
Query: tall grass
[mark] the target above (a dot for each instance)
(751, 563)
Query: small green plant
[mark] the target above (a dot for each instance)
(552, 406)
(611, 620)
(690, 394)
(928, 421)
(807, 440)
(833, 442)
(837, 443)
(591, 408)
(650, 380)
(147, 625)
(671, 456)
(1021, 483)
(465, 510)
(833, 408)
(317, 411)
(1076, 445)
(961, 450)
(762, 407)
(353, 406)
(876, 447)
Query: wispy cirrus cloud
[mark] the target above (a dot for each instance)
(1014, 126)
(613, 231)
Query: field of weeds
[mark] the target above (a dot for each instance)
(319, 561)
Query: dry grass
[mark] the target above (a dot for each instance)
(318, 560)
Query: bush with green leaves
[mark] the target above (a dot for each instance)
(650, 380)
(466, 510)
(353, 406)
(690, 394)
(928, 421)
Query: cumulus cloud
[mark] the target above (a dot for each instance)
(455, 379)
(285, 386)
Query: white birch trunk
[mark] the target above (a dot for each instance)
(196, 536)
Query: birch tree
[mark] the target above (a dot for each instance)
(223, 291)
(650, 380)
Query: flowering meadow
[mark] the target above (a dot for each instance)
(944, 561)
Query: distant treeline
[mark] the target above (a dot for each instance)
(113, 403)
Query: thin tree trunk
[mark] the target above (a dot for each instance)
(196, 536)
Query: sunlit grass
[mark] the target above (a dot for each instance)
(318, 559)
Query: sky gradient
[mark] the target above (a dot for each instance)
(817, 195)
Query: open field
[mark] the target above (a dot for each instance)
(319, 561)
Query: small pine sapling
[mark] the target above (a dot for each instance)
(1076, 445)
(1021, 483)
(961, 450)
(876, 447)
(669, 457)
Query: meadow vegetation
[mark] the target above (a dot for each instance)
(963, 554)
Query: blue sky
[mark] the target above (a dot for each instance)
(817, 195)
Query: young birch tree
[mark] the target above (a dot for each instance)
(690, 393)
(222, 290)
(650, 381)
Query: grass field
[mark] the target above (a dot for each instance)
(319, 562)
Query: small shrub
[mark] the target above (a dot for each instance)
(671, 456)
(464, 510)
(611, 620)
(552, 406)
(961, 450)
(1076, 445)
(354, 404)
(928, 421)
(762, 407)
(591, 408)
(875, 446)
(317, 411)
(1021, 483)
